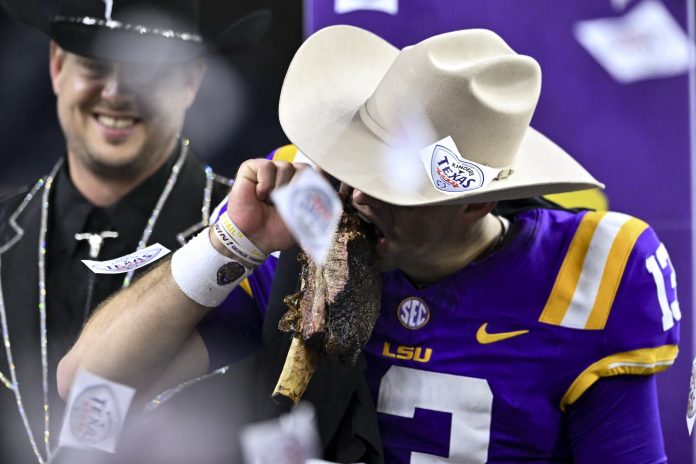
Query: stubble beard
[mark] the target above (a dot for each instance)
(122, 169)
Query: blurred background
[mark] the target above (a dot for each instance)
(618, 94)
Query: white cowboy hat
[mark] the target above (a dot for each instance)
(375, 117)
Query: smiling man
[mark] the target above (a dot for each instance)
(121, 120)
(124, 75)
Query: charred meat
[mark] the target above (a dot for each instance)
(336, 309)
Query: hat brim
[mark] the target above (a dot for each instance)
(122, 45)
(127, 45)
(325, 86)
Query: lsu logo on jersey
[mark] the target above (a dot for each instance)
(408, 353)
(413, 313)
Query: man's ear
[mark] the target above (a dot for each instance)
(56, 60)
(194, 76)
(472, 212)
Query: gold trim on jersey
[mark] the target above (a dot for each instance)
(644, 361)
(247, 287)
(586, 284)
(285, 153)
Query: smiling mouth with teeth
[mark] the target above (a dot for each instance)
(115, 122)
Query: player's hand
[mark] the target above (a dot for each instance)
(345, 192)
(249, 205)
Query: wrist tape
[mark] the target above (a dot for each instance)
(237, 243)
(205, 275)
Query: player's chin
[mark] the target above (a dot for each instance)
(386, 259)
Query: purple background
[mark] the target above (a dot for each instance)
(633, 137)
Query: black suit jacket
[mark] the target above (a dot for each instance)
(20, 219)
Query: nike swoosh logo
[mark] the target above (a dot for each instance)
(484, 338)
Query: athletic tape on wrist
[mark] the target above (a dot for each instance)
(237, 243)
(205, 275)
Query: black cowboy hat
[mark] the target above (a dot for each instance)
(140, 30)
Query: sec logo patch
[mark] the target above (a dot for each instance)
(413, 313)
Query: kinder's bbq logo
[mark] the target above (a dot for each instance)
(450, 172)
(95, 416)
(95, 413)
(691, 404)
(311, 210)
(314, 212)
(129, 262)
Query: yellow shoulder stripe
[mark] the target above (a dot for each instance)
(586, 284)
(247, 288)
(567, 277)
(644, 361)
(285, 153)
(613, 271)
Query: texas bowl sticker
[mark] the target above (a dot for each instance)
(94, 416)
(311, 210)
(289, 439)
(413, 313)
(691, 404)
(95, 413)
(314, 213)
(450, 172)
(129, 262)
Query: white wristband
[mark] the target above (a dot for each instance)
(236, 242)
(205, 275)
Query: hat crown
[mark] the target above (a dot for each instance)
(467, 84)
(363, 111)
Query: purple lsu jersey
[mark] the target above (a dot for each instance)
(480, 366)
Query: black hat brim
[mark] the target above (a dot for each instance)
(245, 32)
(126, 44)
(122, 45)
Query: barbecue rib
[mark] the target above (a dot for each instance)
(333, 314)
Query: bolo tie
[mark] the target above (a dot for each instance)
(95, 240)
